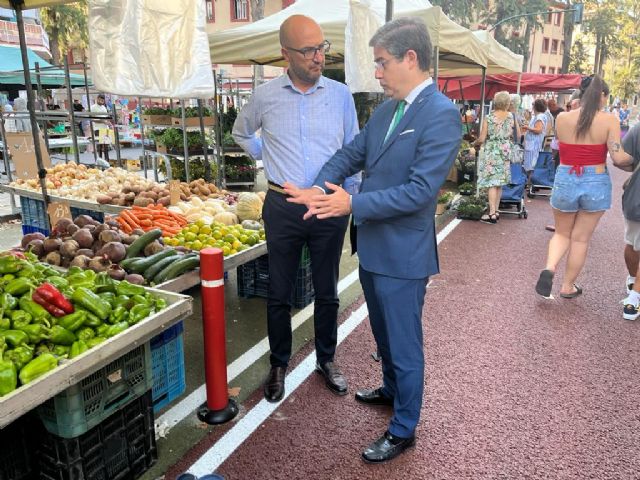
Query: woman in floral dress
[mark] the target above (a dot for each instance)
(496, 138)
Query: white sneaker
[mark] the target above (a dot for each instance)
(630, 282)
(631, 310)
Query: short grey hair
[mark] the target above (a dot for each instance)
(516, 100)
(403, 34)
(501, 100)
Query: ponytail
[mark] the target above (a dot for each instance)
(591, 90)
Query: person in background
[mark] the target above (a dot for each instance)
(554, 108)
(534, 136)
(8, 118)
(98, 125)
(582, 187)
(77, 107)
(623, 114)
(23, 123)
(406, 150)
(305, 117)
(496, 138)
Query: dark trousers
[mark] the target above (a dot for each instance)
(287, 233)
(103, 148)
(395, 313)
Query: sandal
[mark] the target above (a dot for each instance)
(489, 218)
(576, 293)
(545, 283)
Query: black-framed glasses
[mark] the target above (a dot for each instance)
(310, 52)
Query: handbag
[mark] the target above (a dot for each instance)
(517, 152)
(631, 196)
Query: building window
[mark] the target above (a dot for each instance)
(548, 17)
(211, 16)
(554, 46)
(543, 70)
(558, 18)
(239, 10)
(545, 45)
(552, 70)
(286, 3)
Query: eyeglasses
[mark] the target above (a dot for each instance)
(381, 64)
(310, 52)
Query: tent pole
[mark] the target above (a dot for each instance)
(144, 154)
(72, 115)
(205, 144)
(519, 80)
(389, 11)
(42, 107)
(482, 100)
(436, 64)
(218, 131)
(42, 173)
(86, 88)
(7, 163)
(116, 133)
(185, 141)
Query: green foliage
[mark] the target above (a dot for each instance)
(579, 62)
(503, 9)
(172, 138)
(157, 111)
(466, 159)
(460, 11)
(66, 26)
(228, 119)
(445, 196)
(466, 187)
(190, 112)
(196, 169)
(471, 207)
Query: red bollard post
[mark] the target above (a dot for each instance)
(218, 408)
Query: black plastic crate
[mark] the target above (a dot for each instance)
(122, 447)
(253, 280)
(98, 216)
(17, 441)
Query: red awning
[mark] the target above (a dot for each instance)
(468, 87)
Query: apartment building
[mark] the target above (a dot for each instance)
(35, 35)
(225, 14)
(546, 46)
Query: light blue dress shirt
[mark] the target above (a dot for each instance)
(299, 131)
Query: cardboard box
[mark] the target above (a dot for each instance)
(23, 154)
(193, 121)
(156, 120)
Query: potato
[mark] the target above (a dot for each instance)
(142, 201)
(166, 201)
(103, 199)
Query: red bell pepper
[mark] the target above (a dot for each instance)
(52, 296)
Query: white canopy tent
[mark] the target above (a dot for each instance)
(258, 43)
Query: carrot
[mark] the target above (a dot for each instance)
(130, 219)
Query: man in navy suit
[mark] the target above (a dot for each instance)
(405, 152)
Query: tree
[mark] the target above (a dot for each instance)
(66, 26)
(460, 11)
(257, 13)
(567, 31)
(603, 24)
(578, 58)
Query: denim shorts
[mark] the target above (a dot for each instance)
(589, 191)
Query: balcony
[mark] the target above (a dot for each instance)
(35, 35)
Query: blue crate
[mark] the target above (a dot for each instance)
(33, 214)
(167, 365)
(27, 229)
(98, 216)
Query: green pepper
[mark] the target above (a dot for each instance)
(14, 338)
(61, 350)
(90, 319)
(37, 367)
(116, 328)
(38, 313)
(61, 336)
(47, 271)
(8, 373)
(137, 313)
(95, 341)
(8, 277)
(42, 348)
(77, 348)
(104, 283)
(19, 318)
(138, 300)
(5, 323)
(82, 279)
(126, 288)
(74, 270)
(121, 301)
(92, 302)
(85, 334)
(19, 286)
(119, 314)
(101, 331)
(36, 332)
(108, 297)
(11, 264)
(28, 271)
(73, 321)
(58, 282)
(20, 356)
(8, 301)
(160, 304)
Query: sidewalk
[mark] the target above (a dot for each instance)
(516, 386)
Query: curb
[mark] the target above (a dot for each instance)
(9, 216)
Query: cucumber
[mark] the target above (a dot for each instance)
(127, 262)
(154, 269)
(186, 263)
(147, 262)
(136, 247)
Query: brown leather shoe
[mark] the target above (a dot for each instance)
(333, 377)
(274, 386)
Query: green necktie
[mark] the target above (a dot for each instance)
(397, 116)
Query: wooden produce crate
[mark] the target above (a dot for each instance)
(193, 121)
(156, 119)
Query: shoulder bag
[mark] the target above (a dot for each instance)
(631, 196)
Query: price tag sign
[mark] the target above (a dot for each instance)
(174, 191)
(58, 210)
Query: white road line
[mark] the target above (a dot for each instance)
(230, 441)
(226, 445)
(196, 398)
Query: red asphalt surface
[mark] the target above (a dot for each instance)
(517, 387)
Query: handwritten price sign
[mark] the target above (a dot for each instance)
(174, 191)
(58, 210)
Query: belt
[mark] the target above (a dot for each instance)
(276, 188)
(578, 170)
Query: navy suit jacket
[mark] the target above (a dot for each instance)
(395, 209)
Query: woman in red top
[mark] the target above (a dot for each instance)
(582, 187)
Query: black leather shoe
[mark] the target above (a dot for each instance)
(333, 377)
(387, 447)
(374, 397)
(274, 386)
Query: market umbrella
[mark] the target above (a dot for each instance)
(19, 6)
